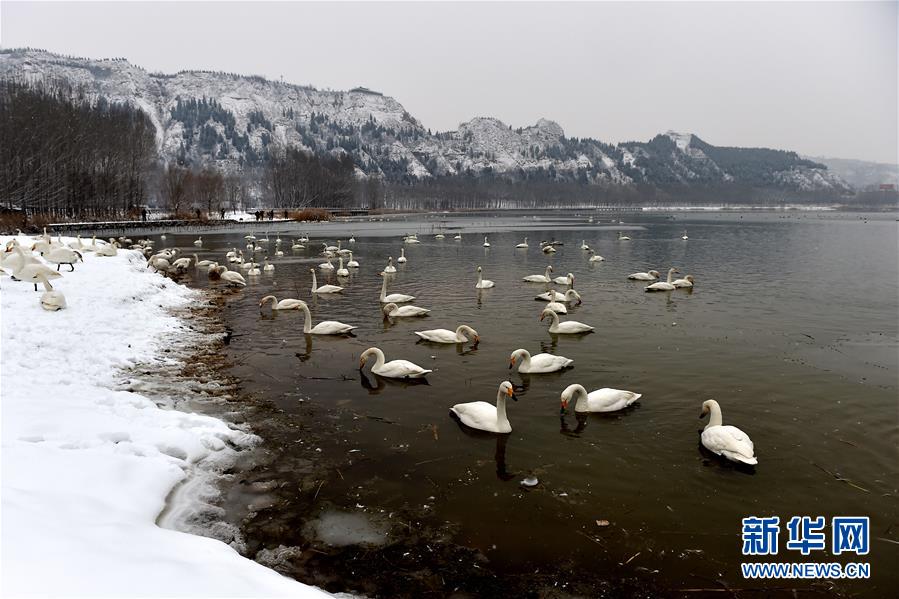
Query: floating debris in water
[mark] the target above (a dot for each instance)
(530, 481)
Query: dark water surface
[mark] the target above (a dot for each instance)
(792, 327)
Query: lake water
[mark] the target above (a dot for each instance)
(791, 326)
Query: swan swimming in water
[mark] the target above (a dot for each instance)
(601, 400)
(686, 282)
(544, 278)
(395, 369)
(284, 304)
(341, 271)
(402, 258)
(560, 307)
(394, 311)
(541, 363)
(623, 237)
(484, 416)
(447, 336)
(325, 327)
(594, 257)
(727, 441)
(486, 243)
(352, 263)
(393, 298)
(390, 268)
(482, 282)
(644, 276)
(664, 285)
(523, 245)
(564, 328)
(323, 288)
(566, 280)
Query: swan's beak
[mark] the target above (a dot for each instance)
(563, 407)
(542, 315)
(477, 338)
(511, 393)
(511, 363)
(361, 364)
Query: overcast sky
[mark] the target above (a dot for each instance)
(818, 78)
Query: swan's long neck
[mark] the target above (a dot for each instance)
(403, 252)
(379, 358)
(384, 288)
(525, 359)
(547, 271)
(314, 283)
(480, 278)
(341, 263)
(715, 417)
(670, 274)
(307, 321)
(460, 333)
(501, 417)
(555, 318)
(581, 399)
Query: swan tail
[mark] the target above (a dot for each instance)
(736, 457)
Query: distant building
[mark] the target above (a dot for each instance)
(887, 187)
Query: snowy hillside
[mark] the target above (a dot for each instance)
(235, 122)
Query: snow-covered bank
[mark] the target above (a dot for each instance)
(86, 466)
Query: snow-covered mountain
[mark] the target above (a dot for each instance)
(234, 121)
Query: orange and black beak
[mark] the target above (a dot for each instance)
(564, 407)
(511, 393)
(511, 363)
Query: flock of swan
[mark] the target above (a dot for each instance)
(726, 441)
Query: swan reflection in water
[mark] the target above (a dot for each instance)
(499, 454)
(380, 383)
(565, 428)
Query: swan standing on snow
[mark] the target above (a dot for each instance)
(325, 327)
(523, 245)
(352, 263)
(482, 282)
(53, 300)
(342, 272)
(36, 273)
(486, 243)
(544, 278)
(538, 364)
(686, 282)
(644, 276)
(560, 307)
(601, 400)
(395, 369)
(64, 255)
(323, 288)
(663, 285)
(393, 298)
(284, 304)
(447, 336)
(402, 258)
(484, 416)
(564, 328)
(394, 311)
(727, 441)
(390, 268)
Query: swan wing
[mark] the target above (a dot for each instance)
(397, 298)
(610, 400)
(548, 363)
(730, 442)
(329, 289)
(557, 307)
(401, 369)
(331, 327)
(572, 326)
(438, 335)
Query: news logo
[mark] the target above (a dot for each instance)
(805, 535)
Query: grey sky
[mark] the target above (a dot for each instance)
(818, 78)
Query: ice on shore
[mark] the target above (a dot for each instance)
(86, 466)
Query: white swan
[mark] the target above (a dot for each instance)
(584, 245)
(352, 239)
(523, 245)
(601, 400)
(325, 327)
(326, 265)
(439, 236)
(36, 273)
(254, 271)
(652, 275)
(297, 246)
(594, 257)
(446, 336)
(560, 307)
(458, 237)
(390, 268)
(484, 416)
(395, 369)
(663, 285)
(482, 282)
(685, 282)
(566, 280)
(232, 278)
(548, 249)
(109, 250)
(684, 236)
(623, 237)
(323, 288)
(199, 241)
(284, 304)
(53, 300)
(63, 255)
(544, 278)
(395, 311)
(486, 243)
(402, 258)
(727, 441)
(198, 262)
(538, 364)
(268, 267)
(551, 295)
(352, 263)
(341, 271)
(393, 298)
(564, 328)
